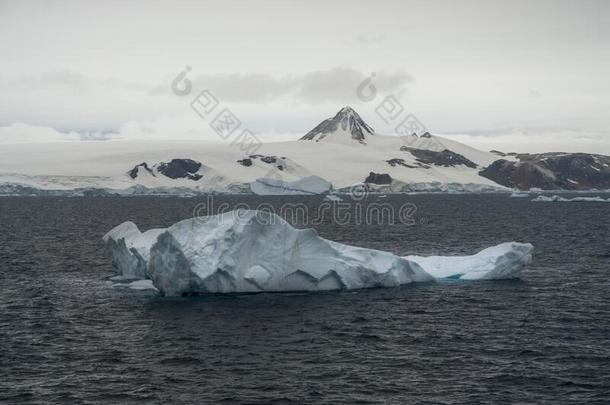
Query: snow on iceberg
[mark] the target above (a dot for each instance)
(254, 251)
(306, 185)
(504, 261)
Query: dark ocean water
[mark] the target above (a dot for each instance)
(66, 336)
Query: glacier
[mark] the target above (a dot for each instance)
(246, 251)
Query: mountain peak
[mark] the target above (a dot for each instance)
(347, 110)
(347, 121)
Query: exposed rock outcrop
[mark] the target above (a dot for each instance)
(552, 171)
(133, 173)
(445, 157)
(378, 178)
(399, 162)
(180, 169)
(245, 162)
(174, 169)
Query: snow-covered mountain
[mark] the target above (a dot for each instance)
(342, 150)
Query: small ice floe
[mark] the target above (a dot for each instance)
(145, 284)
(519, 194)
(332, 197)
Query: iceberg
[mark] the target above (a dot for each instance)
(251, 251)
(248, 251)
(310, 185)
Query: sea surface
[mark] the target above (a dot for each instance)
(67, 336)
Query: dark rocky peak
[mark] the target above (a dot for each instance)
(347, 120)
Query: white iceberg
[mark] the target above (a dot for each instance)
(556, 198)
(255, 251)
(518, 194)
(310, 185)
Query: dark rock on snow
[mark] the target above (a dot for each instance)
(445, 157)
(133, 173)
(180, 168)
(245, 162)
(378, 178)
(400, 162)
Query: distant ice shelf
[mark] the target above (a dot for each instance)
(556, 198)
(255, 251)
(310, 185)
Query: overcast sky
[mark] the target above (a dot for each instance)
(512, 75)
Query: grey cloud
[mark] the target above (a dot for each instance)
(244, 88)
(369, 39)
(340, 84)
(333, 85)
(70, 80)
